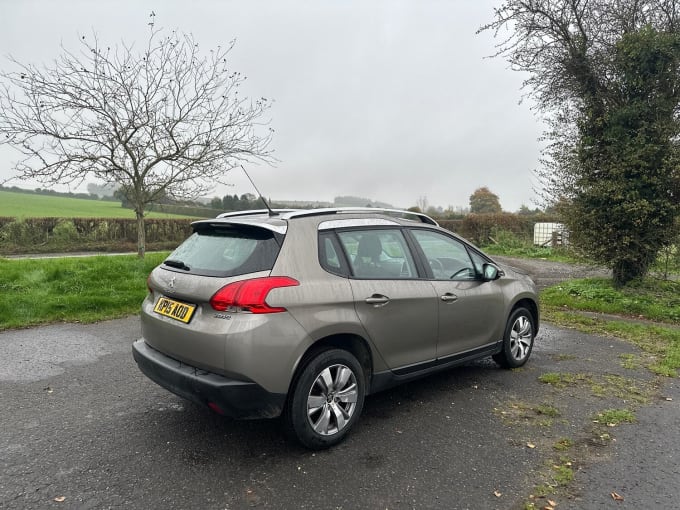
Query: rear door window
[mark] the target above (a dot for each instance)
(378, 254)
(225, 252)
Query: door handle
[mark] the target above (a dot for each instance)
(378, 300)
(449, 298)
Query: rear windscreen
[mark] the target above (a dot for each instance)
(225, 252)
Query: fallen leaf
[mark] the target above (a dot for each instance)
(552, 503)
(497, 494)
(669, 399)
(617, 497)
(531, 445)
(48, 389)
(60, 499)
(548, 508)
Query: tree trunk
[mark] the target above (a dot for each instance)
(141, 234)
(625, 271)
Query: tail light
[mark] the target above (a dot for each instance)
(250, 295)
(148, 284)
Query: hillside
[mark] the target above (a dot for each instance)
(27, 205)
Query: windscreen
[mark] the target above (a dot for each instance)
(225, 252)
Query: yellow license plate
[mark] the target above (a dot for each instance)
(174, 309)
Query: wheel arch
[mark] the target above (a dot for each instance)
(354, 344)
(530, 305)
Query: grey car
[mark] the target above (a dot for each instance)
(301, 314)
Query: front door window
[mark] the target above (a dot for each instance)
(447, 257)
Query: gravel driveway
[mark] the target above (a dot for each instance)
(546, 272)
(84, 429)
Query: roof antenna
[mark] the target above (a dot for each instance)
(271, 211)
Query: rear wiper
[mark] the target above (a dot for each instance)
(176, 263)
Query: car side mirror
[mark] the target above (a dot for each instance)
(491, 272)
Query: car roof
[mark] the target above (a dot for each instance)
(276, 220)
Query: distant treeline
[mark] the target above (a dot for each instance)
(215, 207)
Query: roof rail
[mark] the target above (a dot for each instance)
(253, 212)
(298, 213)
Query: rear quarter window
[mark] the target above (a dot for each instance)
(227, 252)
(330, 255)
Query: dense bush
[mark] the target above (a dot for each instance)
(65, 232)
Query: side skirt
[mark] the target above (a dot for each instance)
(389, 378)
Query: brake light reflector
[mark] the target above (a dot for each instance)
(250, 295)
(215, 407)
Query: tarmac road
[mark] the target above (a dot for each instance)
(80, 422)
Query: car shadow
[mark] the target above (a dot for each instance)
(197, 426)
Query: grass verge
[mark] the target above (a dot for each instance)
(87, 289)
(657, 300)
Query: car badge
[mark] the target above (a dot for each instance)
(171, 283)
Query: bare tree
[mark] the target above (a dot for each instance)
(164, 121)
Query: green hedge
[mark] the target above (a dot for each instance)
(44, 235)
(481, 228)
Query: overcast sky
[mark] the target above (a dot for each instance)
(388, 100)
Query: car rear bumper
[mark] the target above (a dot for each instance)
(230, 397)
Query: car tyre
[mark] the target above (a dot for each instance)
(326, 399)
(518, 339)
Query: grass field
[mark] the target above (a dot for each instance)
(27, 205)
